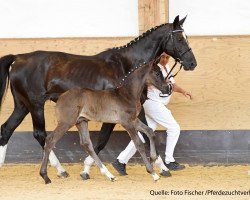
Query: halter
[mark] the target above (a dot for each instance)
(178, 58)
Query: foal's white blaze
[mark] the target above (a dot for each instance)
(155, 176)
(3, 150)
(159, 163)
(88, 162)
(55, 163)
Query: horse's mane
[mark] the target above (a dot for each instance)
(146, 33)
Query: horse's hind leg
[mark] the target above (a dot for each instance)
(40, 135)
(87, 144)
(103, 138)
(51, 141)
(140, 147)
(7, 129)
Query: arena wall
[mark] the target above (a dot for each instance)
(215, 124)
(220, 83)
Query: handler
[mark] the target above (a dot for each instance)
(157, 113)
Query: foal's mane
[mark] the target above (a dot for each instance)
(127, 75)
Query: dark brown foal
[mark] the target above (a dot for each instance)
(121, 105)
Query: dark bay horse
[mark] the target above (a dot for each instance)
(38, 76)
(122, 105)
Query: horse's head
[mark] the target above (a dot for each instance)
(156, 78)
(175, 43)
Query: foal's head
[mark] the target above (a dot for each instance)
(156, 78)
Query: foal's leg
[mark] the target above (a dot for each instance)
(140, 147)
(51, 141)
(87, 145)
(103, 138)
(159, 162)
(151, 135)
(40, 135)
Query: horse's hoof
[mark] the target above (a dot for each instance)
(113, 179)
(85, 176)
(165, 173)
(63, 175)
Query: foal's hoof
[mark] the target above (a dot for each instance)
(47, 180)
(165, 173)
(85, 176)
(155, 177)
(63, 175)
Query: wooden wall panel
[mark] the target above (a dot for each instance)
(151, 13)
(220, 83)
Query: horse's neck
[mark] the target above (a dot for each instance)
(134, 84)
(143, 49)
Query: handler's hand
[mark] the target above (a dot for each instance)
(188, 95)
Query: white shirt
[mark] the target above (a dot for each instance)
(154, 93)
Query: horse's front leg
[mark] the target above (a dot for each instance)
(87, 145)
(103, 139)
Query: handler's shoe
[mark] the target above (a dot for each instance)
(175, 166)
(120, 167)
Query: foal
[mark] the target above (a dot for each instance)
(121, 105)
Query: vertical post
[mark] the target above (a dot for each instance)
(152, 13)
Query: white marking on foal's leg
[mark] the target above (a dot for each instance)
(141, 137)
(159, 163)
(155, 176)
(107, 173)
(55, 163)
(249, 173)
(88, 162)
(3, 150)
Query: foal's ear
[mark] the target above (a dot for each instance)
(156, 60)
(176, 22)
(182, 21)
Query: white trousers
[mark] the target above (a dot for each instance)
(156, 113)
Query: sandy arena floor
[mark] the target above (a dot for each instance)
(22, 182)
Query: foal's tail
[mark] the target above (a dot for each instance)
(5, 63)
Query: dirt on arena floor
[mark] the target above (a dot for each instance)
(22, 182)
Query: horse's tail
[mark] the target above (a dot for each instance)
(5, 63)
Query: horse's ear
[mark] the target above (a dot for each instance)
(176, 22)
(182, 21)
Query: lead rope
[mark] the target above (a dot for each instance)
(169, 75)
